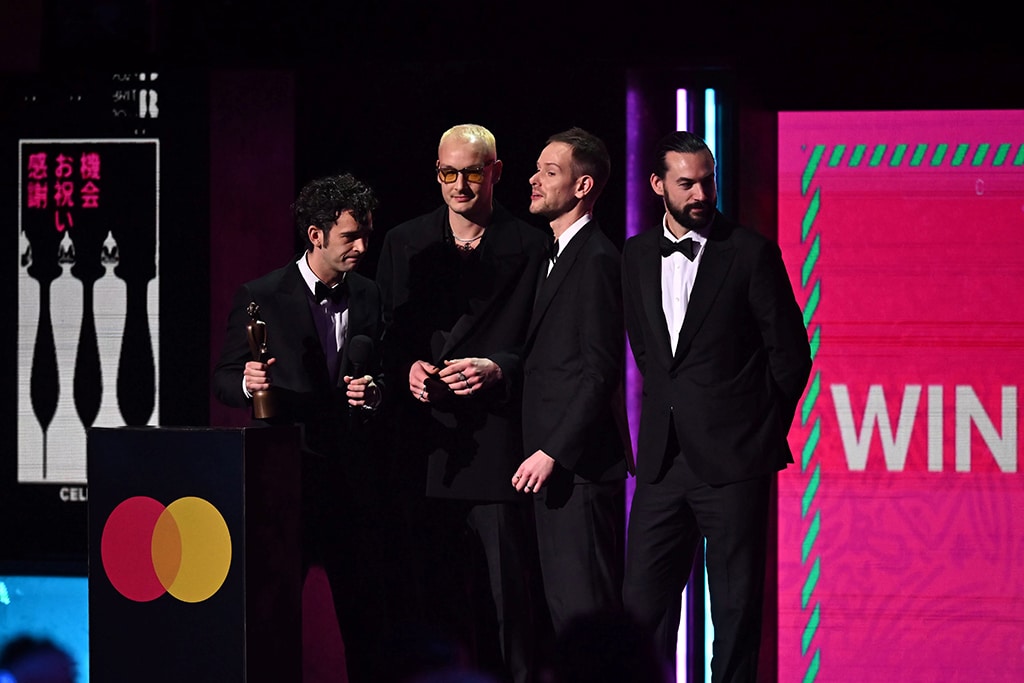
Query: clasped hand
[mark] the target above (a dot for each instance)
(460, 376)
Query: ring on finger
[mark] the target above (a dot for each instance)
(463, 378)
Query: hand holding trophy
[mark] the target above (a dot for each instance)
(262, 401)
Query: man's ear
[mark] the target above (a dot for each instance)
(584, 186)
(496, 176)
(658, 185)
(315, 235)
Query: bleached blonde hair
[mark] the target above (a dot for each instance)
(473, 134)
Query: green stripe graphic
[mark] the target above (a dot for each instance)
(919, 153)
(876, 158)
(812, 397)
(811, 286)
(960, 154)
(858, 154)
(812, 166)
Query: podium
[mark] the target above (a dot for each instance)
(194, 554)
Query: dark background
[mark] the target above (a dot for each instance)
(259, 97)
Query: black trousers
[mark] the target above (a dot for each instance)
(471, 564)
(581, 544)
(668, 518)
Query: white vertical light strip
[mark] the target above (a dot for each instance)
(711, 121)
(682, 111)
(711, 138)
(682, 644)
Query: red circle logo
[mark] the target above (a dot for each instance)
(183, 549)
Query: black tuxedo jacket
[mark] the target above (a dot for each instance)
(573, 401)
(741, 362)
(301, 383)
(440, 308)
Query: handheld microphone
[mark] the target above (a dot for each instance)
(360, 349)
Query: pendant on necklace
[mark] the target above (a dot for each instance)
(464, 244)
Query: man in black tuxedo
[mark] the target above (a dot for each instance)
(314, 307)
(574, 421)
(459, 284)
(720, 341)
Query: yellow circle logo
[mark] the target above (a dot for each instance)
(183, 549)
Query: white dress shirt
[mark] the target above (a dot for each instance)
(566, 236)
(677, 276)
(333, 318)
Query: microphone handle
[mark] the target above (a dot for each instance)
(357, 371)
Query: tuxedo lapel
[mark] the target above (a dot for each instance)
(542, 275)
(293, 301)
(649, 276)
(714, 266)
(294, 305)
(357, 320)
(549, 286)
(362, 317)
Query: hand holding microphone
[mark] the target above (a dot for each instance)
(361, 391)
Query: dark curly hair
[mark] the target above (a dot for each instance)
(323, 200)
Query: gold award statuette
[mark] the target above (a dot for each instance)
(262, 401)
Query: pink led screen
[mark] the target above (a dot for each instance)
(901, 525)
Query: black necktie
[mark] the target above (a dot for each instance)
(553, 248)
(687, 247)
(336, 294)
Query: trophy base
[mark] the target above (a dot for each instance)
(263, 405)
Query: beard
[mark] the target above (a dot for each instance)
(684, 214)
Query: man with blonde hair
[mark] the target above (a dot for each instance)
(458, 287)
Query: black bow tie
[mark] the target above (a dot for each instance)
(336, 294)
(687, 247)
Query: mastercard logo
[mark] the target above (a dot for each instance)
(149, 549)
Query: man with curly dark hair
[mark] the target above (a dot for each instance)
(312, 307)
(323, 325)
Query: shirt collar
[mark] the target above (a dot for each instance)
(699, 237)
(571, 231)
(307, 273)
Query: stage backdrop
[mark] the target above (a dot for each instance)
(901, 526)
